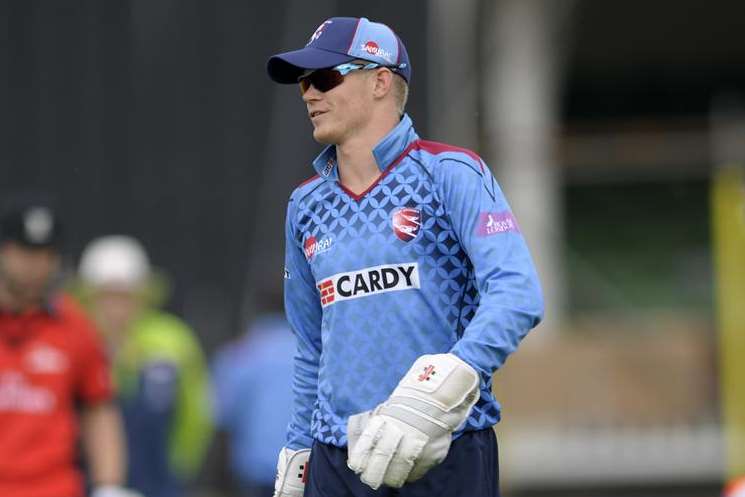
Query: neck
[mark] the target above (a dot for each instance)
(6, 301)
(9, 302)
(357, 166)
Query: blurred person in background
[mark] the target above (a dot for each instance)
(158, 367)
(54, 376)
(252, 378)
(735, 488)
(407, 284)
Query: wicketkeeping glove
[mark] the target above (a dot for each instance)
(408, 434)
(292, 472)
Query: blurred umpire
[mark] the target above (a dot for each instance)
(54, 377)
(158, 367)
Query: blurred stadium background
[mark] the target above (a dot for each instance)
(615, 128)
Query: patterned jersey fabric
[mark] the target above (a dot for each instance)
(428, 260)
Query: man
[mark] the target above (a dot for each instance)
(51, 363)
(407, 283)
(252, 378)
(159, 368)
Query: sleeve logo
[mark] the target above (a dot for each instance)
(368, 281)
(491, 223)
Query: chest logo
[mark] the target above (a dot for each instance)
(313, 246)
(406, 222)
(45, 359)
(17, 394)
(368, 281)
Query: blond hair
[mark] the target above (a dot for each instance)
(400, 93)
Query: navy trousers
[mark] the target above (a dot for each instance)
(471, 469)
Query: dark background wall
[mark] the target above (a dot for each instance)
(157, 119)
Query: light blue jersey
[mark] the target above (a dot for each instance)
(428, 260)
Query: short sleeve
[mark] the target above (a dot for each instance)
(92, 381)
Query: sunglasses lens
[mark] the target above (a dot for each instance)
(323, 80)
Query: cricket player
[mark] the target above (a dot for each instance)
(407, 284)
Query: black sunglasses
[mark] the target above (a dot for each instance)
(327, 79)
(324, 80)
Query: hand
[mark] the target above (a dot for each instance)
(292, 472)
(114, 491)
(408, 434)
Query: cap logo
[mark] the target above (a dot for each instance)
(38, 224)
(318, 32)
(373, 48)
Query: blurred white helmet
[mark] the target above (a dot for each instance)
(115, 261)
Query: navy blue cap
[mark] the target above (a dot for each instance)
(339, 40)
(31, 224)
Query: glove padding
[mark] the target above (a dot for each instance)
(408, 434)
(292, 472)
(114, 491)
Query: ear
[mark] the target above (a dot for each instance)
(383, 81)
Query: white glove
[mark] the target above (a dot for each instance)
(408, 434)
(292, 472)
(114, 491)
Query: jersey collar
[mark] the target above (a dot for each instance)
(385, 152)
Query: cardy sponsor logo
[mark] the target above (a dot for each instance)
(368, 281)
(328, 294)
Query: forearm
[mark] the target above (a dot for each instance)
(510, 298)
(103, 443)
(305, 391)
(304, 313)
(503, 319)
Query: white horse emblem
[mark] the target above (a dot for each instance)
(318, 32)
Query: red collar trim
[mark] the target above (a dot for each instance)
(415, 145)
